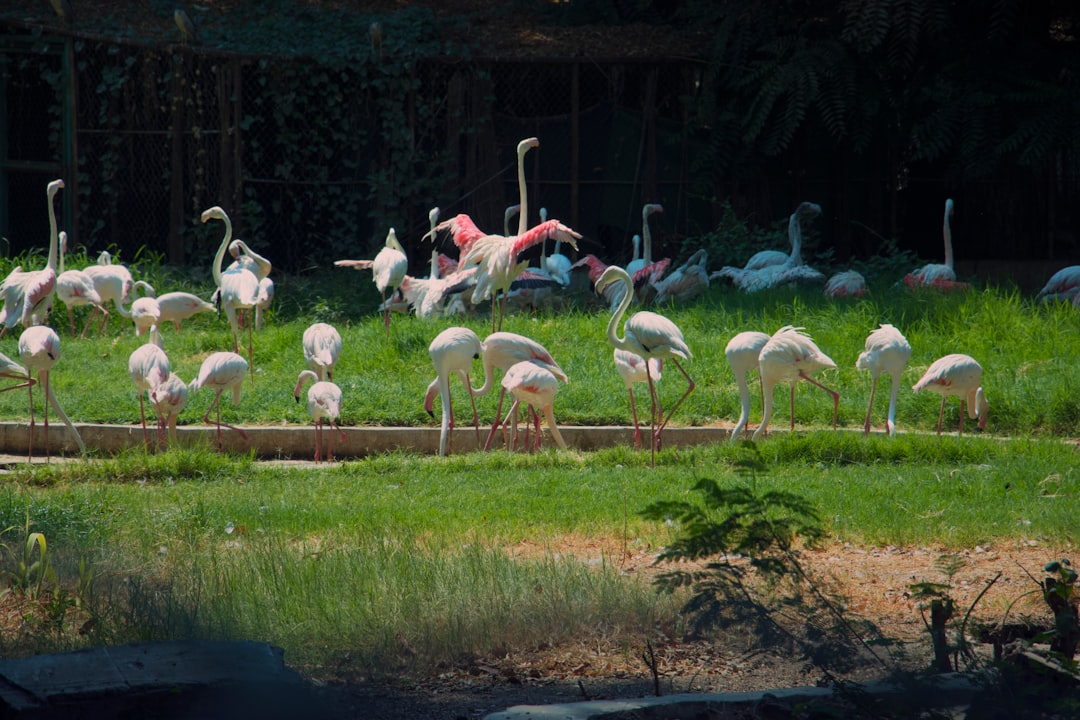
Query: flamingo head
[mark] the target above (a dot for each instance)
(651, 208)
(527, 144)
(392, 241)
(808, 208)
(54, 187)
(214, 213)
(62, 239)
(433, 216)
(949, 207)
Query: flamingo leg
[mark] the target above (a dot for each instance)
(449, 422)
(318, 439)
(653, 434)
(689, 389)
(940, 415)
(45, 409)
(511, 414)
(792, 407)
(30, 452)
(142, 417)
(386, 316)
(835, 397)
(866, 425)
(251, 352)
(633, 413)
(536, 422)
(472, 401)
(962, 410)
(71, 321)
(93, 311)
(494, 427)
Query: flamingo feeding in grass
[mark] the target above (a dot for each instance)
(887, 351)
(169, 399)
(148, 366)
(452, 352)
(322, 348)
(220, 372)
(28, 296)
(743, 352)
(647, 335)
(958, 375)
(789, 356)
(114, 283)
(75, 289)
(324, 406)
(175, 307)
(39, 349)
(632, 369)
(388, 269)
(535, 385)
(238, 286)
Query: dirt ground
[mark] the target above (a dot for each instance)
(875, 580)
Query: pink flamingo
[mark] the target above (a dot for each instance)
(75, 288)
(28, 296)
(535, 385)
(324, 405)
(742, 354)
(789, 356)
(635, 369)
(887, 351)
(958, 375)
(452, 352)
(219, 372)
(388, 271)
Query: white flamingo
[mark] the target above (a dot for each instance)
(650, 336)
(219, 372)
(75, 289)
(177, 306)
(238, 286)
(169, 399)
(452, 352)
(789, 356)
(28, 296)
(114, 283)
(958, 375)
(502, 350)
(324, 406)
(887, 351)
(523, 147)
(322, 348)
(687, 281)
(636, 262)
(766, 258)
(145, 314)
(743, 352)
(937, 274)
(632, 369)
(535, 385)
(148, 366)
(849, 283)
(39, 350)
(1062, 285)
(388, 271)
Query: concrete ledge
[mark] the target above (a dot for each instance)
(297, 441)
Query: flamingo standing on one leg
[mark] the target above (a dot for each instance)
(632, 369)
(388, 268)
(238, 286)
(323, 404)
(742, 354)
(887, 351)
(75, 288)
(790, 355)
(452, 351)
(322, 348)
(536, 385)
(502, 350)
(958, 375)
(39, 349)
(169, 399)
(148, 366)
(650, 336)
(219, 372)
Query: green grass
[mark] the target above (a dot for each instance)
(405, 561)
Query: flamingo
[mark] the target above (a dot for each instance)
(523, 147)
(219, 372)
(634, 369)
(887, 351)
(28, 296)
(650, 336)
(536, 385)
(322, 348)
(259, 265)
(742, 354)
(509, 215)
(39, 350)
(646, 234)
(1062, 285)
(323, 404)
(388, 268)
(169, 399)
(636, 262)
(937, 274)
(767, 258)
(74, 288)
(687, 282)
(790, 355)
(148, 366)
(496, 260)
(113, 282)
(146, 314)
(502, 350)
(238, 287)
(958, 375)
(556, 264)
(177, 306)
(452, 351)
(849, 283)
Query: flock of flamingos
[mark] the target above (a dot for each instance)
(489, 267)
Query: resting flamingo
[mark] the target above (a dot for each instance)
(789, 356)
(958, 375)
(1062, 285)
(452, 352)
(849, 283)
(75, 289)
(502, 350)
(219, 372)
(238, 286)
(767, 258)
(743, 352)
(169, 399)
(535, 385)
(28, 296)
(39, 350)
(632, 369)
(148, 366)
(887, 351)
(650, 336)
(687, 281)
(388, 271)
(322, 348)
(938, 275)
(645, 238)
(324, 405)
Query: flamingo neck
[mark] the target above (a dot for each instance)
(435, 264)
(51, 262)
(616, 317)
(946, 232)
(795, 233)
(646, 237)
(488, 377)
(63, 251)
(222, 250)
(523, 214)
